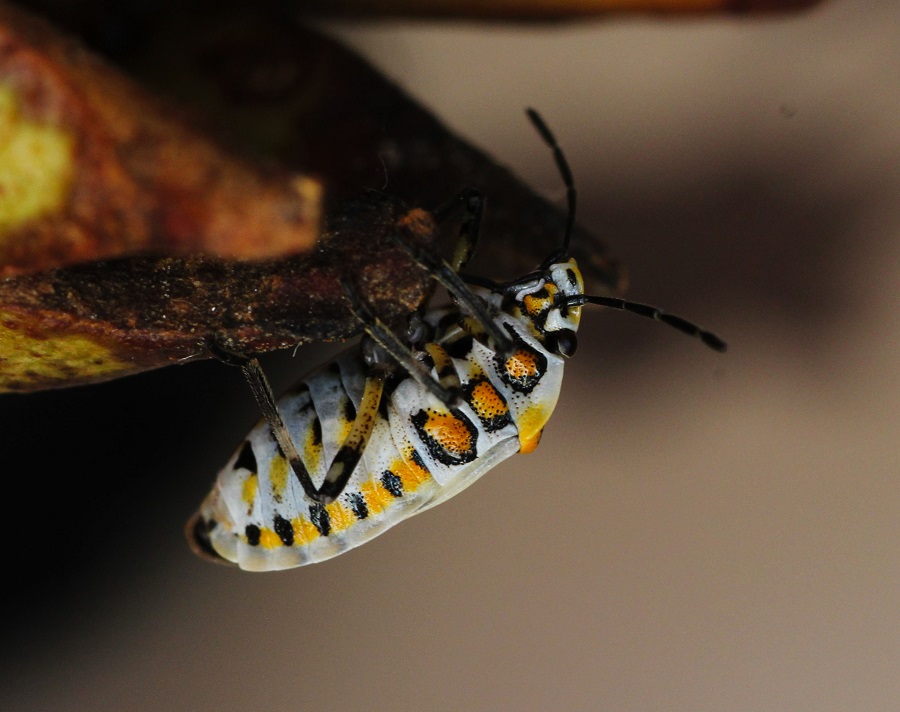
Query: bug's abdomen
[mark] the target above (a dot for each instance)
(419, 453)
(258, 514)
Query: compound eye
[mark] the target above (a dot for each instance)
(563, 342)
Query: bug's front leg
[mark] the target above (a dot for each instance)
(472, 202)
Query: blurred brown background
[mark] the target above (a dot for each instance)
(696, 532)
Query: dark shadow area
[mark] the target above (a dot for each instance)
(89, 473)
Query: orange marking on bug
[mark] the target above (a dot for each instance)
(304, 531)
(278, 476)
(449, 432)
(248, 491)
(531, 426)
(376, 496)
(268, 539)
(339, 516)
(522, 364)
(530, 443)
(411, 474)
(487, 402)
(535, 304)
(414, 463)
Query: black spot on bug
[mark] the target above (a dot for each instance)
(540, 321)
(358, 505)
(349, 410)
(284, 530)
(417, 459)
(320, 518)
(304, 400)
(573, 278)
(459, 348)
(316, 432)
(392, 483)
(246, 459)
(252, 532)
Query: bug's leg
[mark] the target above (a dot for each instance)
(396, 349)
(460, 292)
(351, 449)
(447, 274)
(472, 202)
(262, 392)
(469, 232)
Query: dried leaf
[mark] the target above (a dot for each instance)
(291, 93)
(92, 166)
(102, 320)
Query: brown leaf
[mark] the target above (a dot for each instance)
(291, 93)
(92, 167)
(102, 320)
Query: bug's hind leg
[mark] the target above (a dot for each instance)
(351, 450)
(348, 455)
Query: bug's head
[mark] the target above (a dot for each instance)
(544, 298)
(544, 301)
(550, 299)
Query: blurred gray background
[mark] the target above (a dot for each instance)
(695, 533)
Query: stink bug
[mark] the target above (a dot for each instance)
(397, 424)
